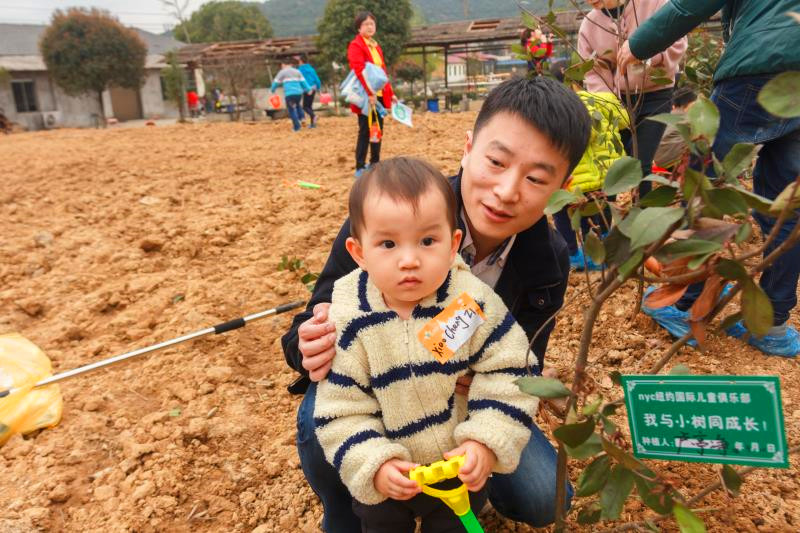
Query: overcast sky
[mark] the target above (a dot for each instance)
(150, 15)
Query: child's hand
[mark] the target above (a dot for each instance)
(392, 481)
(478, 463)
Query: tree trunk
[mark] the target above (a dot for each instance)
(102, 118)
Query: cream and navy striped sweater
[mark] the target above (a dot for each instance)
(386, 396)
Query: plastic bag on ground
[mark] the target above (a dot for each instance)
(22, 364)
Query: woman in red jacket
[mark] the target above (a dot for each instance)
(362, 50)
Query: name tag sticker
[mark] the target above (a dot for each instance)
(445, 333)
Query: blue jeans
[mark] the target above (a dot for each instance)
(293, 106)
(527, 495)
(743, 120)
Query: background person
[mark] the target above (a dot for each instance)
(599, 37)
(314, 82)
(294, 85)
(365, 49)
(761, 42)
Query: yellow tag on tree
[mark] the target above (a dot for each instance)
(449, 330)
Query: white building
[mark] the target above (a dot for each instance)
(32, 99)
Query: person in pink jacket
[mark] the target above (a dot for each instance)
(604, 29)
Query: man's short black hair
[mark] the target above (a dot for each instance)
(546, 105)
(683, 96)
(361, 17)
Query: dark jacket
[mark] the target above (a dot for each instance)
(532, 285)
(760, 37)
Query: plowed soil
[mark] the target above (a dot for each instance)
(117, 239)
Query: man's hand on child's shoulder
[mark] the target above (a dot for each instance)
(316, 339)
(478, 464)
(392, 480)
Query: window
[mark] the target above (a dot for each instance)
(24, 95)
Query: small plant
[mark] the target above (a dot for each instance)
(297, 265)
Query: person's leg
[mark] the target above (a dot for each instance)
(529, 493)
(293, 106)
(389, 516)
(778, 166)
(648, 132)
(375, 148)
(308, 106)
(338, 514)
(362, 142)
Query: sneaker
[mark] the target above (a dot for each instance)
(672, 319)
(576, 260)
(359, 172)
(783, 341)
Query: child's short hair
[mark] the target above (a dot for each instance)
(548, 106)
(292, 61)
(403, 179)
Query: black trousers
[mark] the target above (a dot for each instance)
(394, 516)
(362, 144)
(308, 104)
(648, 132)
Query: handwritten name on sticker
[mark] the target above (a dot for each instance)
(445, 333)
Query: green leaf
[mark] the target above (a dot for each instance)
(662, 81)
(621, 456)
(591, 408)
(743, 233)
(695, 262)
(680, 370)
(611, 408)
(542, 387)
(609, 427)
(670, 119)
(686, 248)
(731, 479)
(558, 200)
(617, 247)
(781, 95)
(759, 203)
(575, 219)
(626, 224)
(628, 267)
(659, 197)
(728, 201)
(589, 209)
(652, 223)
(657, 501)
(594, 477)
(594, 247)
(732, 270)
(692, 180)
(661, 180)
(178, 298)
(688, 522)
(625, 174)
(790, 196)
(739, 159)
(589, 514)
(703, 117)
(588, 449)
(649, 524)
(615, 492)
(574, 435)
(756, 309)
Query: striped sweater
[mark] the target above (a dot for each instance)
(386, 396)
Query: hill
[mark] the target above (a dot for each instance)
(300, 17)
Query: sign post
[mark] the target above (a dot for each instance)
(707, 419)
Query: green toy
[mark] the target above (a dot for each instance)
(456, 499)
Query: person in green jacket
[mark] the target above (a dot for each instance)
(761, 42)
(605, 147)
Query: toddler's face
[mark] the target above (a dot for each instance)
(406, 254)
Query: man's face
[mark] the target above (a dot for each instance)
(406, 254)
(510, 170)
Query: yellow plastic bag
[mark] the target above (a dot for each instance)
(22, 364)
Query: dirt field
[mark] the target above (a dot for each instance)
(117, 239)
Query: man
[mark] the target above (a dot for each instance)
(527, 139)
(757, 33)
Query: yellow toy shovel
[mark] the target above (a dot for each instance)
(456, 499)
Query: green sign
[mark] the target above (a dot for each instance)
(707, 419)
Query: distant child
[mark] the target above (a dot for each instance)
(672, 145)
(389, 402)
(294, 85)
(314, 82)
(605, 147)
